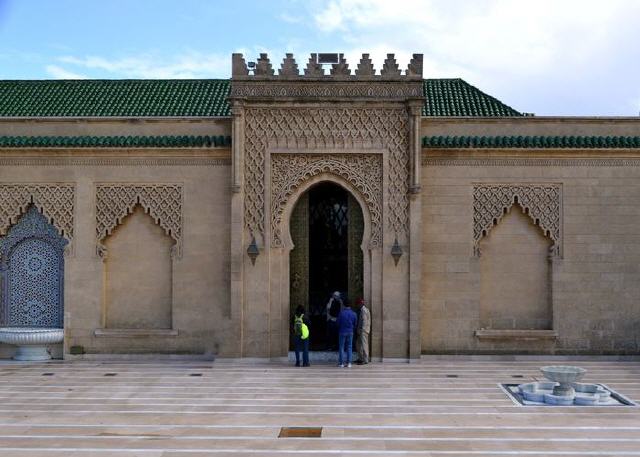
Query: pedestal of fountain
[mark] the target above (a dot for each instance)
(565, 376)
(31, 342)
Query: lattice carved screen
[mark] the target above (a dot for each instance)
(54, 201)
(163, 202)
(541, 202)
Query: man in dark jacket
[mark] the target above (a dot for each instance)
(347, 321)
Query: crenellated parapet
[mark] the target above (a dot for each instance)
(260, 79)
(314, 69)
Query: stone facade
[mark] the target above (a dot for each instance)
(503, 250)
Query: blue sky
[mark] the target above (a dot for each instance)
(550, 57)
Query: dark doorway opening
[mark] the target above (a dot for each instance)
(326, 228)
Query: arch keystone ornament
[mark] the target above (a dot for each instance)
(291, 131)
(541, 202)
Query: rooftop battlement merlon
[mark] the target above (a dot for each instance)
(263, 70)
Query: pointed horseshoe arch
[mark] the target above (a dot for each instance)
(360, 174)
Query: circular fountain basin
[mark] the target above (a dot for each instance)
(563, 373)
(31, 342)
(587, 399)
(565, 376)
(534, 391)
(559, 400)
(591, 389)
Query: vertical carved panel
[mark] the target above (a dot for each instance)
(356, 261)
(299, 256)
(335, 128)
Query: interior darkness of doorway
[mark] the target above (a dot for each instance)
(328, 263)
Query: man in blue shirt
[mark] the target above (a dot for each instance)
(347, 321)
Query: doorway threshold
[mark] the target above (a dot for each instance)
(321, 356)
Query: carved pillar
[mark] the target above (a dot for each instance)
(238, 247)
(237, 145)
(415, 144)
(299, 256)
(355, 231)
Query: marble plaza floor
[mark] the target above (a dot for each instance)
(435, 407)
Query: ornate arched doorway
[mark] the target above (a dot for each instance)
(327, 227)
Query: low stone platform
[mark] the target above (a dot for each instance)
(430, 408)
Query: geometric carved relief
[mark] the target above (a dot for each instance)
(363, 171)
(163, 202)
(326, 128)
(541, 202)
(54, 201)
(32, 270)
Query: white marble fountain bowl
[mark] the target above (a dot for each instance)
(32, 342)
(562, 373)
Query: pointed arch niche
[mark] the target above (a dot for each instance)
(517, 233)
(139, 231)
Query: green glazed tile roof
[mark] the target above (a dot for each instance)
(556, 142)
(114, 141)
(106, 98)
(456, 97)
(194, 97)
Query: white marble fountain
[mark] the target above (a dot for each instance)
(31, 342)
(563, 389)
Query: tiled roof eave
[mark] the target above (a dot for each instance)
(531, 142)
(128, 142)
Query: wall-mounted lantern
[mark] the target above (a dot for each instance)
(253, 251)
(396, 251)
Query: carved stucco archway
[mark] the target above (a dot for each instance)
(370, 250)
(299, 190)
(359, 174)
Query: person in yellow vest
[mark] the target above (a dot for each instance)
(301, 336)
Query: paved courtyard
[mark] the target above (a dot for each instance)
(449, 407)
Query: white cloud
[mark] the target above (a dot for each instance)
(289, 18)
(192, 64)
(518, 50)
(60, 73)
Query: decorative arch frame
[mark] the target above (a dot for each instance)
(370, 250)
(541, 202)
(32, 224)
(359, 174)
(54, 201)
(163, 202)
(313, 181)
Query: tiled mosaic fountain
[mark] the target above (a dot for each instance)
(563, 389)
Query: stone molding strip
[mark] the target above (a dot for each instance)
(531, 162)
(113, 161)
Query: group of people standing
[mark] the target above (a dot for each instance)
(342, 324)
